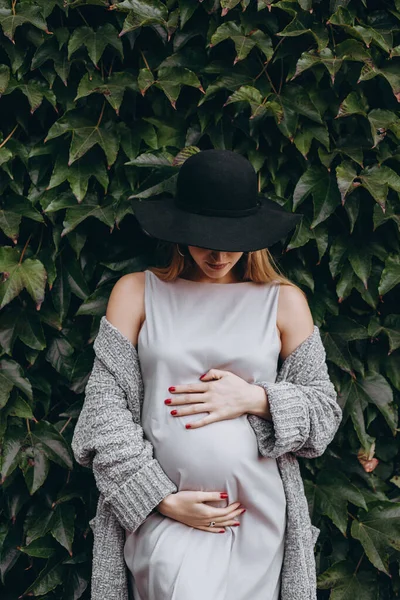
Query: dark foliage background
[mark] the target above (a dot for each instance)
(104, 99)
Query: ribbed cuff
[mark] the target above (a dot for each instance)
(140, 494)
(290, 424)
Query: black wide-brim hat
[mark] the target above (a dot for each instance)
(217, 206)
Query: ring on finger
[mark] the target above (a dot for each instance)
(211, 524)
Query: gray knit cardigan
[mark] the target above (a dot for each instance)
(109, 439)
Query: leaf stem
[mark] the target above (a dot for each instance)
(25, 247)
(83, 18)
(8, 137)
(101, 114)
(14, 2)
(359, 562)
(145, 61)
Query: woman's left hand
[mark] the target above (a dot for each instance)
(222, 394)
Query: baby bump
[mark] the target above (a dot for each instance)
(206, 458)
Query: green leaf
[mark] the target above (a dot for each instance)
(347, 582)
(85, 135)
(95, 41)
(11, 448)
(171, 79)
(4, 78)
(323, 187)
(48, 440)
(17, 275)
(113, 88)
(35, 467)
(331, 493)
(391, 274)
(35, 91)
(378, 530)
(142, 13)
(230, 30)
(354, 403)
(345, 176)
(377, 179)
(302, 24)
(62, 528)
(89, 207)
(20, 14)
(78, 175)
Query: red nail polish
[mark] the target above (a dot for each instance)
(224, 495)
(171, 389)
(244, 510)
(188, 426)
(167, 401)
(174, 412)
(221, 531)
(201, 376)
(235, 524)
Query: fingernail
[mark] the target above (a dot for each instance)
(188, 426)
(201, 376)
(221, 531)
(224, 495)
(167, 401)
(236, 524)
(174, 412)
(171, 389)
(244, 510)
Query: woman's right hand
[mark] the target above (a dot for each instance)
(189, 508)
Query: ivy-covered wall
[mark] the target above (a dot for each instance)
(101, 100)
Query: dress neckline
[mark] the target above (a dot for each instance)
(208, 283)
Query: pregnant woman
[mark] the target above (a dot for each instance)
(191, 430)
(220, 313)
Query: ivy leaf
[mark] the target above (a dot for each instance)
(21, 13)
(12, 373)
(4, 78)
(95, 41)
(346, 581)
(35, 91)
(376, 179)
(331, 493)
(113, 88)
(11, 447)
(302, 24)
(354, 402)
(17, 275)
(89, 207)
(35, 467)
(85, 135)
(14, 208)
(230, 30)
(53, 445)
(346, 176)
(62, 527)
(389, 72)
(145, 80)
(171, 79)
(323, 187)
(391, 274)
(142, 13)
(378, 530)
(78, 175)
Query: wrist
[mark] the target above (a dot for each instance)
(258, 402)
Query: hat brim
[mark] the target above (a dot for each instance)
(161, 218)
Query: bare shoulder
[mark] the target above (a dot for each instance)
(294, 319)
(125, 308)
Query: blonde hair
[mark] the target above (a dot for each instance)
(258, 266)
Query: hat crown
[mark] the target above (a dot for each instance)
(217, 182)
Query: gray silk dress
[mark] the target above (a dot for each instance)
(191, 327)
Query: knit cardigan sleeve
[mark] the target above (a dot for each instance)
(108, 436)
(303, 405)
